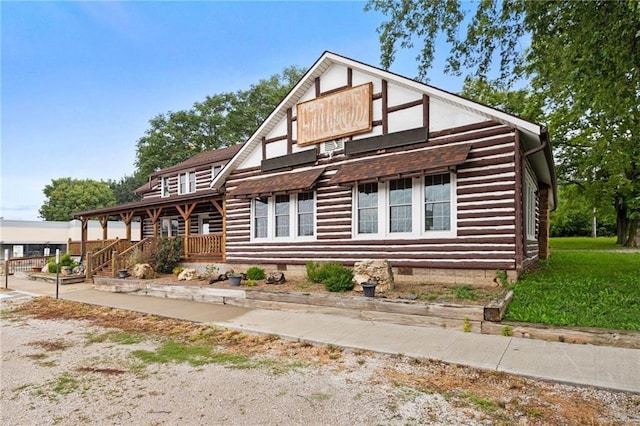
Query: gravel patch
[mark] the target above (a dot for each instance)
(70, 372)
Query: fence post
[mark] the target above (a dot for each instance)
(88, 267)
(114, 263)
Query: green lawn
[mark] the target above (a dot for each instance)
(581, 285)
(583, 243)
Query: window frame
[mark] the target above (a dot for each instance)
(188, 182)
(164, 187)
(418, 216)
(530, 207)
(294, 218)
(170, 219)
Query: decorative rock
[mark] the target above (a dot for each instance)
(142, 271)
(373, 270)
(79, 270)
(188, 274)
(275, 278)
(45, 268)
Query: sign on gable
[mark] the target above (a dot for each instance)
(343, 113)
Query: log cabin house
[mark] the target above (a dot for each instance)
(359, 163)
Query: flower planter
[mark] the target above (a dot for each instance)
(36, 268)
(369, 288)
(123, 273)
(234, 281)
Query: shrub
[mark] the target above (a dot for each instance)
(65, 260)
(334, 276)
(255, 273)
(135, 257)
(165, 254)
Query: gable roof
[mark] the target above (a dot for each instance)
(201, 159)
(535, 138)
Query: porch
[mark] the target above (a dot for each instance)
(106, 257)
(197, 220)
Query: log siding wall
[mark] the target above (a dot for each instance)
(486, 223)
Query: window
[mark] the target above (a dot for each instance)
(186, 183)
(261, 217)
(400, 205)
(215, 171)
(437, 205)
(164, 187)
(284, 216)
(368, 208)
(530, 207)
(305, 214)
(169, 227)
(407, 207)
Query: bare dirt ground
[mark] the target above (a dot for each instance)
(68, 363)
(433, 293)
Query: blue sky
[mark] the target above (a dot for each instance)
(81, 80)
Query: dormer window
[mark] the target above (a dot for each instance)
(186, 183)
(164, 187)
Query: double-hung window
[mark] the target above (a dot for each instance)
(283, 213)
(437, 203)
(260, 217)
(186, 183)
(400, 205)
(305, 214)
(290, 216)
(405, 208)
(368, 208)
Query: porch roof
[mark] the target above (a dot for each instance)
(139, 206)
(396, 165)
(279, 183)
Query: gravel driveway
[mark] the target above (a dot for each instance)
(72, 372)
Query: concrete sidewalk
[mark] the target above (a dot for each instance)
(599, 366)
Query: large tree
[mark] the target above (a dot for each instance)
(66, 196)
(582, 58)
(220, 120)
(123, 188)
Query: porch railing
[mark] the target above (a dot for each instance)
(24, 264)
(74, 248)
(102, 258)
(122, 259)
(201, 245)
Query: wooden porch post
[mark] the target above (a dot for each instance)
(154, 215)
(221, 209)
(84, 236)
(104, 222)
(185, 212)
(88, 267)
(126, 218)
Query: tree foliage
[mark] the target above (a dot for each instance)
(220, 120)
(582, 59)
(65, 196)
(123, 188)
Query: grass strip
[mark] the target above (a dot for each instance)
(581, 288)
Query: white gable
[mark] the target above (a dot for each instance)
(404, 99)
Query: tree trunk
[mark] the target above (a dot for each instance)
(594, 224)
(622, 224)
(633, 236)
